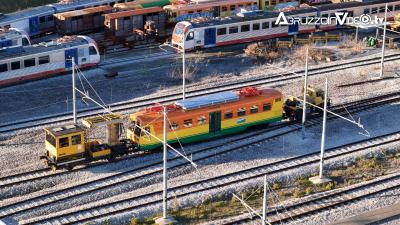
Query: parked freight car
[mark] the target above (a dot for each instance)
(13, 38)
(259, 25)
(140, 4)
(44, 60)
(81, 21)
(123, 23)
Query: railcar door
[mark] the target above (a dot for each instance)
(69, 53)
(210, 36)
(214, 121)
(33, 25)
(293, 28)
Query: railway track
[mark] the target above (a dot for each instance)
(112, 208)
(353, 107)
(145, 102)
(149, 171)
(323, 201)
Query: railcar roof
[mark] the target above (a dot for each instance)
(10, 34)
(207, 100)
(63, 130)
(274, 14)
(23, 51)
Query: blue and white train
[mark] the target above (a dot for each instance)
(39, 20)
(13, 38)
(260, 25)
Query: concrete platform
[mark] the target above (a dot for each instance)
(318, 180)
(165, 221)
(371, 216)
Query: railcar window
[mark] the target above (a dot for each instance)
(50, 18)
(366, 11)
(173, 126)
(63, 142)
(143, 133)
(76, 139)
(127, 18)
(81, 52)
(256, 26)
(92, 50)
(232, 8)
(201, 120)
(233, 30)
(390, 8)
(29, 62)
(25, 42)
(221, 31)
(190, 36)
(278, 99)
(266, 107)
(51, 139)
(265, 25)
(374, 10)
(254, 109)
(397, 7)
(187, 123)
(3, 68)
(42, 19)
(228, 115)
(44, 59)
(224, 9)
(240, 6)
(325, 15)
(245, 28)
(16, 65)
(241, 112)
(274, 24)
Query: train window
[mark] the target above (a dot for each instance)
(325, 15)
(42, 19)
(274, 24)
(221, 31)
(16, 65)
(51, 139)
(201, 120)
(190, 36)
(397, 7)
(366, 11)
(233, 30)
(44, 59)
(127, 18)
(50, 18)
(245, 28)
(228, 115)
(254, 109)
(173, 126)
(278, 99)
(266, 107)
(241, 112)
(256, 26)
(240, 6)
(232, 8)
(92, 50)
(25, 41)
(187, 123)
(390, 8)
(382, 9)
(63, 142)
(29, 62)
(81, 52)
(146, 132)
(3, 68)
(265, 25)
(374, 10)
(224, 9)
(76, 139)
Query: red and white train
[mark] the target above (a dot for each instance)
(47, 59)
(260, 25)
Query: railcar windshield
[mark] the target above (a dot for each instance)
(50, 139)
(179, 29)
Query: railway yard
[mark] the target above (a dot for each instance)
(97, 129)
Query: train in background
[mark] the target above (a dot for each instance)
(260, 25)
(47, 59)
(13, 38)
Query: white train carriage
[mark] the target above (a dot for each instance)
(13, 38)
(259, 25)
(45, 60)
(39, 20)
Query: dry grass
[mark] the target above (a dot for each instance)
(315, 55)
(191, 68)
(263, 51)
(356, 47)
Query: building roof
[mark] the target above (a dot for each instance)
(41, 48)
(207, 100)
(63, 130)
(82, 12)
(134, 12)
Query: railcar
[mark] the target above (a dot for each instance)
(39, 20)
(205, 117)
(140, 4)
(259, 25)
(13, 38)
(47, 59)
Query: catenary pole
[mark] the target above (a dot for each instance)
(183, 69)
(264, 215)
(303, 121)
(323, 130)
(383, 42)
(165, 156)
(73, 90)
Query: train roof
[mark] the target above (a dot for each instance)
(82, 12)
(63, 130)
(208, 100)
(134, 12)
(9, 34)
(41, 48)
(255, 15)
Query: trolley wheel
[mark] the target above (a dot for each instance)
(53, 167)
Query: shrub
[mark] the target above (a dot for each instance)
(309, 191)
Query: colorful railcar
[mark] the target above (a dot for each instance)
(141, 4)
(259, 25)
(205, 117)
(47, 59)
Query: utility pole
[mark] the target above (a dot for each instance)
(303, 121)
(264, 215)
(165, 156)
(383, 42)
(73, 90)
(183, 69)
